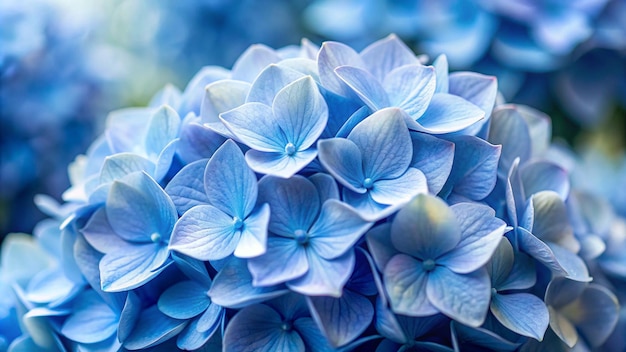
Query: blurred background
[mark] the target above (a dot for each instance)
(64, 64)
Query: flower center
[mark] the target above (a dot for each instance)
(286, 326)
(368, 183)
(290, 149)
(155, 237)
(301, 236)
(494, 291)
(237, 223)
(428, 265)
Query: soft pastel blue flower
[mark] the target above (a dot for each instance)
(311, 241)
(230, 221)
(432, 258)
(281, 137)
(132, 230)
(282, 324)
(373, 164)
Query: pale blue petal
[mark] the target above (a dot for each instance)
(595, 313)
(464, 298)
(129, 316)
(476, 88)
(194, 91)
(294, 203)
(480, 338)
(441, 72)
(232, 287)
(100, 235)
(253, 124)
(385, 144)
(279, 163)
(545, 176)
(509, 129)
(365, 86)
(449, 113)
(191, 339)
(433, 157)
(523, 275)
(564, 330)
(284, 260)
(380, 246)
(341, 319)
(354, 119)
(184, 300)
(538, 250)
(324, 277)
(405, 282)
(91, 321)
(186, 189)
(269, 82)
(229, 184)
(522, 313)
(258, 328)
(211, 318)
(367, 208)
(331, 56)
(475, 167)
(326, 186)
(425, 228)
(312, 336)
(401, 189)
(411, 88)
(481, 233)
(152, 328)
(573, 265)
(342, 159)
(501, 263)
(137, 207)
(164, 160)
(301, 112)
(387, 54)
(197, 141)
(122, 127)
(551, 222)
(119, 165)
(49, 285)
(253, 240)
(194, 269)
(205, 233)
(253, 61)
(222, 96)
(336, 230)
(132, 267)
(163, 128)
(388, 325)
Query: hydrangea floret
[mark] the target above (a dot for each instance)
(318, 199)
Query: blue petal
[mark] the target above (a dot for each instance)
(137, 208)
(119, 165)
(49, 285)
(279, 163)
(336, 230)
(425, 228)
(164, 160)
(545, 176)
(369, 209)
(365, 86)
(326, 186)
(341, 319)
(229, 184)
(132, 266)
(595, 313)
(476, 88)
(184, 300)
(253, 61)
(211, 318)
(523, 313)
(222, 96)
(301, 112)
(191, 339)
(232, 287)
(253, 238)
(523, 275)
(411, 88)
(574, 266)
(387, 54)
(388, 325)
(258, 328)
(100, 235)
(284, 260)
(433, 157)
(269, 82)
(197, 141)
(342, 159)
(129, 316)
(194, 91)
(551, 222)
(312, 336)
(405, 282)
(481, 232)
(464, 298)
(91, 320)
(294, 203)
(331, 56)
(253, 124)
(186, 189)
(385, 144)
(475, 167)
(380, 246)
(205, 233)
(501, 263)
(448, 113)
(192, 268)
(324, 277)
(401, 189)
(163, 128)
(152, 328)
(441, 72)
(480, 339)
(509, 129)
(539, 250)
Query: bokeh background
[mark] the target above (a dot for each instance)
(64, 64)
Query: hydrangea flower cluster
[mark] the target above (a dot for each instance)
(529, 45)
(319, 199)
